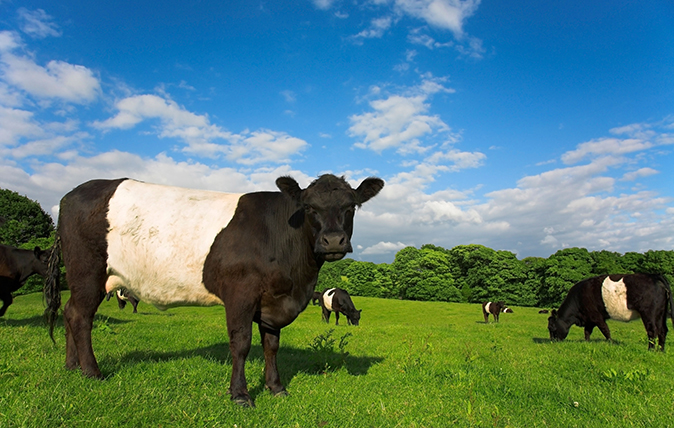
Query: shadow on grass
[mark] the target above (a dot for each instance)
(547, 340)
(291, 361)
(39, 321)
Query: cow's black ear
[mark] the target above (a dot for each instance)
(289, 186)
(553, 314)
(296, 220)
(369, 189)
(37, 252)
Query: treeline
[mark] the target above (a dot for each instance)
(474, 274)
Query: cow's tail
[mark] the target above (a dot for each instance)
(664, 281)
(52, 287)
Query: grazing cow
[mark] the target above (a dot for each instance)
(16, 266)
(124, 296)
(507, 311)
(543, 311)
(493, 308)
(317, 296)
(620, 297)
(337, 300)
(258, 254)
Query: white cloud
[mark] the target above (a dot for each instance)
(445, 14)
(323, 4)
(384, 248)
(641, 172)
(605, 146)
(378, 27)
(16, 124)
(399, 121)
(201, 137)
(57, 80)
(38, 24)
(9, 41)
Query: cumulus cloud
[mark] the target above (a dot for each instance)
(445, 14)
(202, 138)
(400, 120)
(384, 248)
(641, 172)
(605, 146)
(38, 24)
(57, 80)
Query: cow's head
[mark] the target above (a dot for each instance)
(558, 330)
(42, 257)
(354, 317)
(327, 206)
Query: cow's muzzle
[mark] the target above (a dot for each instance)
(334, 246)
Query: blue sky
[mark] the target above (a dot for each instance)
(523, 126)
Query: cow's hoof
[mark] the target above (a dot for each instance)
(281, 393)
(243, 401)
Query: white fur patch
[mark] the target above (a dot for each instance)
(159, 238)
(327, 298)
(487, 306)
(614, 295)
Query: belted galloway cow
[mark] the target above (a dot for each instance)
(592, 301)
(338, 301)
(16, 266)
(258, 254)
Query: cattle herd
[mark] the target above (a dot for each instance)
(258, 255)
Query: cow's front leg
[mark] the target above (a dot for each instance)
(270, 344)
(604, 329)
(588, 330)
(239, 328)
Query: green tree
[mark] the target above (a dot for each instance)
(661, 262)
(425, 275)
(24, 219)
(563, 269)
(606, 263)
(333, 275)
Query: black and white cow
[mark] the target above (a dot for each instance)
(258, 254)
(620, 297)
(493, 308)
(123, 296)
(16, 266)
(338, 301)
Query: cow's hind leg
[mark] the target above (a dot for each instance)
(6, 298)
(270, 344)
(78, 317)
(589, 326)
(239, 328)
(653, 331)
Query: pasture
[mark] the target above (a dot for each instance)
(408, 364)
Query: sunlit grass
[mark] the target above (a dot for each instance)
(409, 364)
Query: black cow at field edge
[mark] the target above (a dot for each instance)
(16, 266)
(258, 254)
(123, 296)
(337, 300)
(620, 297)
(493, 308)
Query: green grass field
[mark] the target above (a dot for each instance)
(409, 364)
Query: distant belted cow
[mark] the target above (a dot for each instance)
(258, 254)
(16, 266)
(338, 301)
(592, 301)
(495, 309)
